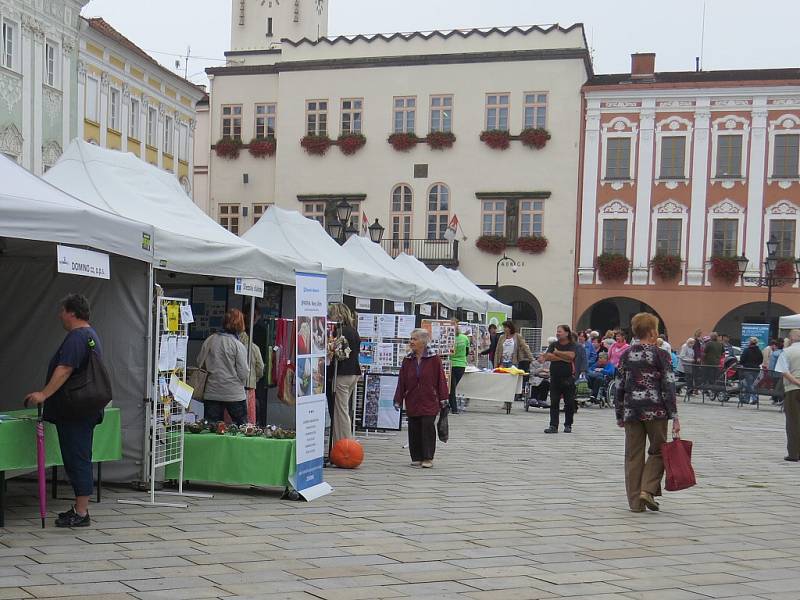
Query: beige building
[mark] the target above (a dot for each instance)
(284, 83)
(128, 102)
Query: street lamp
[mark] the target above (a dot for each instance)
(335, 229)
(497, 270)
(350, 231)
(376, 232)
(343, 211)
(340, 228)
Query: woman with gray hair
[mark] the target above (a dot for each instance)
(422, 385)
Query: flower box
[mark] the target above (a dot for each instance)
(403, 142)
(496, 139)
(533, 245)
(350, 143)
(262, 147)
(725, 269)
(534, 138)
(785, 268)
(491, 244)
(440, 140)
(613, 267)
(316, 145)
(666, 267)
(228, 148)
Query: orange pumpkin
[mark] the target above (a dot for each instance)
(347, 454)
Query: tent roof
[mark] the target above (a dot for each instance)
(32, 209)
(464, 282)
(185, 238)
(789, 322)
(448, 296)
(287, 231)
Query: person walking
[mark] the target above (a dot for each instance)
(225, 359)
(511, 347)
(751, 360)
(422, 386)
(644, 402)
(561, 355)
(458, 363)
(789, 365)
(713, 350)
(616, 350)
(348, 372)
(75, 433)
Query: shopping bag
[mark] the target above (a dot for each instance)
(197, 377)
(677, 456)
(442, 426)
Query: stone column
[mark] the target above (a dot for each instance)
(67, 49)
(591, 164)
(81, 98)
(28, 113)
(104, 82)
(755, 189)
(125, 115)
(644, 188)
(697, 212)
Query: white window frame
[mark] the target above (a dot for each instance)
(267, 116)
(318, 113)
(498, 106)
(230, 215)
(402, 213)
(727, 126)
(135, 119)
(261, 205)
(183, 142)
(438, 212)
(533, 213)
(311, 210)
(783, 210)
(536, 106)
(725, 209)
(55, 47)
(92, 99)
(495, 214)
(233, 117)
(619, 127)
(12, 64)
(786, 123)
(351, 112)
(671, 127)
(670, 209)
(169, 135)
(615, 209)
(115, 109)
(441, 110)
(151, 134)
(405, 110)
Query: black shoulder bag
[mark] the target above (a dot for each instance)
(88, 389)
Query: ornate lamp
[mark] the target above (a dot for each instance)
(376, 232)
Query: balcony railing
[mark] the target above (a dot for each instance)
(431, 252)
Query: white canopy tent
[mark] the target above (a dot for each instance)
(451, 298)
(289, 232)
(463, 282)
(789, 322)
(185, 240)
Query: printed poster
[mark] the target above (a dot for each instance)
(379, 410)
(366, 325)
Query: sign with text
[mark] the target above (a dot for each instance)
(249, 287)
(756, 330)
(76, 261)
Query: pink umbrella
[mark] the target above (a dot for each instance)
(40, 460)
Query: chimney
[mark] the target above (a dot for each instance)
(643, 65)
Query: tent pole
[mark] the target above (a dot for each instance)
(148, 398)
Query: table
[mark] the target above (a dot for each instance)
(235, 459)
(492, 387)
(18, 447)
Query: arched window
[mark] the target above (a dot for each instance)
(402, 206)
(438, 211)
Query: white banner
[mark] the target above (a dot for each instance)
(75, 261)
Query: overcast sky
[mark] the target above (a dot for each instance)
(739, 34)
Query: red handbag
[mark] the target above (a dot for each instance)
(677, 456)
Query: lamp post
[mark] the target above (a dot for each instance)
(513, 264)
(376, 232)
(769, 280)
(341, 229)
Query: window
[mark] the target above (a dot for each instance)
(787, 156)
(668, 237)
(724, 238)
(229, 217)
(266, 119)
(232, 121)
(729, 156)
(315, 210)
(152, 126)
(615, 236)
(169, 134)
(317, 117)
(535, 111)
(493, 217)
(183, 147)
(51, 64)
(673, 155)
(438, 211)
(402, 205)
(135, 120)
(405, 114)
(618, 158)
(783, 230)
(441, 114)
(497, 111)
(259, 210)
(92, 91)
(531, 213)
(352, 113)
(114, 110)
(9, 49)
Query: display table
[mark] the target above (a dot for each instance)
(492, 387)
(235, 459)
(18, 447)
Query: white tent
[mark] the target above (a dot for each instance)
(448, 296)
(789, 322)
(185, 239)
(463, 282)
(289, 232)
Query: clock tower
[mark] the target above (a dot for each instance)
(262, 24)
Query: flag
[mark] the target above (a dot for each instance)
(452, 229)
(364, 225)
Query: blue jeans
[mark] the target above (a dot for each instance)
(75, 440)
(749, 378)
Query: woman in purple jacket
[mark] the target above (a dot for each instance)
(423, 386)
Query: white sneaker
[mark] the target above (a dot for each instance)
(427, 464)
(415, 463)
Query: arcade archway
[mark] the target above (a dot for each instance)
(525, 308)
(615, 313)
(753, 312)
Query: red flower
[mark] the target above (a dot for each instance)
(785, 268)
(228, 148)
(496, 139)
(439, 140)
(262, 147)
(492, 244)
(403, 142)
(725, 268)
(613, 267)
(534, 244)
(666, 267)
(316, 144)
(350, 143)
(534, 137)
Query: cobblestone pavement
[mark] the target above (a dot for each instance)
(506, 513)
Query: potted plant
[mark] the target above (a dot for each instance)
(535, 244)
(316, 144)
(439, 140)
(262, 147)
(534, 137)
(403, 142)
(228, 148)
(496, 139)
(492, 244)
(666, 267)
(350, 143)
(613, 267)
(725, 268)
(785, 268)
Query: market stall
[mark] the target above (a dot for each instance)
(490, 387)
(450, 299)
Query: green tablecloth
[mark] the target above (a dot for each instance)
(18, 441)
(236, 460)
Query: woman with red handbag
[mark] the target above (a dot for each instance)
(645, 401)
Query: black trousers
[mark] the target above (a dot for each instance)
(215, 411)
(562, 388)
(458, 373)
(421, 438)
